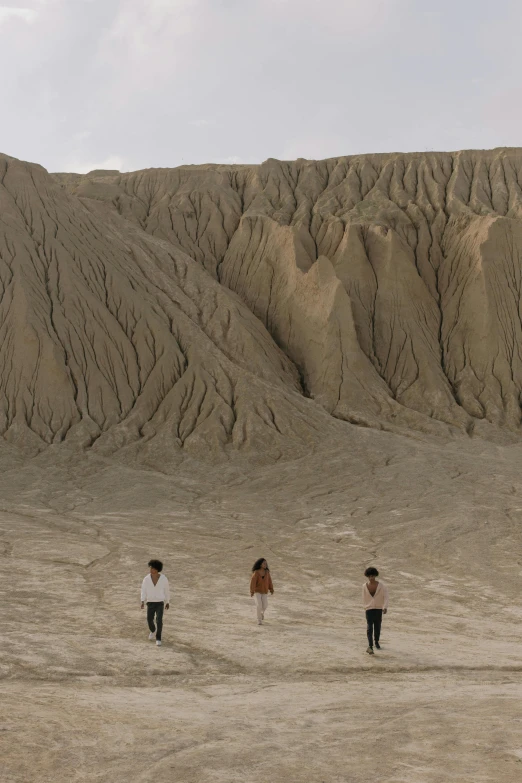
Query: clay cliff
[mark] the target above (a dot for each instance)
(225, 311)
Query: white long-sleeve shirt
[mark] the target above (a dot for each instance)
(155, 592)
(377, 601)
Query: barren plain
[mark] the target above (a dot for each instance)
(315, 362)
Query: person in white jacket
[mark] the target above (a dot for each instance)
(155, 592)
(375, 602)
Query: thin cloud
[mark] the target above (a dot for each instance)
(160, 82)
(7, 14)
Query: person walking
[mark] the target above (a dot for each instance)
(375, 602)
(260, 585)
(155, 592)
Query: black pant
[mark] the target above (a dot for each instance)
(155, 608)
(373, 622)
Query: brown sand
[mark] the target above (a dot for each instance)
(187, 355)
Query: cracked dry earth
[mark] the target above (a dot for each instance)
(317, 362)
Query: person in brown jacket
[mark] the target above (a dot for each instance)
(260, 586)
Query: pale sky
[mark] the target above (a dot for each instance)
(130, 84)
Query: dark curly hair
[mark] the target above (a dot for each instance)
(157, 564)
(257, 564)
(371, 571)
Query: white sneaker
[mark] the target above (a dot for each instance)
(152, 635)
(158, 643)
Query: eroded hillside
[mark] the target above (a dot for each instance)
(111, 338)
(392, 282)
(221, 310)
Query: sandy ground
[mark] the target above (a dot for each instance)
(184, 354)
(86, 697)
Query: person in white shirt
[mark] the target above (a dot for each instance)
(375, 602)
(155, 592)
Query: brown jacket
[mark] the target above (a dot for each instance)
(261, 584)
